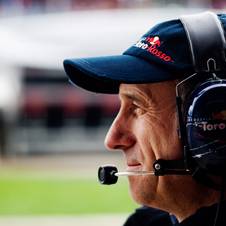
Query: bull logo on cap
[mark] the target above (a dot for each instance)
(154, 40)
(153, 48)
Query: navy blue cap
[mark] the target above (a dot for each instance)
(162, 54)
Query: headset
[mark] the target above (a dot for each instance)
(202, 123)
(205, 120)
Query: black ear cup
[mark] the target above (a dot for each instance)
(206, 106)
(206, 125)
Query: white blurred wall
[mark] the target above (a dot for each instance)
(44, 41)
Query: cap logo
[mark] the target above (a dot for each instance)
(154, 41)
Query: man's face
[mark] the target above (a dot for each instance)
(145, 129)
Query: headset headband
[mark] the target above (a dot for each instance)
(207, 28)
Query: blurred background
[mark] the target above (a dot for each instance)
(51, 132)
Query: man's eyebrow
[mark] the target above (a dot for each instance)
(135, 98)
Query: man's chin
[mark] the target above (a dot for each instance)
(135, 190)
(138, 192)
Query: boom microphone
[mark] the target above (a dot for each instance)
(108, 174)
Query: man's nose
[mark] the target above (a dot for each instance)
(120, 135)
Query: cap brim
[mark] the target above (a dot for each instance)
(105, 74)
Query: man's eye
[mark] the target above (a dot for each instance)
(138, 110)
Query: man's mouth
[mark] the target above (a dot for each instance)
(133, 167)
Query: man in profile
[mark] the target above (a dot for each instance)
(146, 128)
